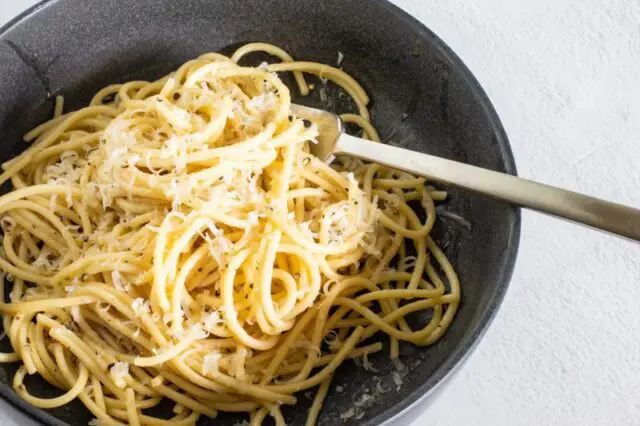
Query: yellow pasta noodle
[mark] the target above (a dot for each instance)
(176, 240)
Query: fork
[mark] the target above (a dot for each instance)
(615, 218)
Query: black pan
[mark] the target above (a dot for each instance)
(423, 97)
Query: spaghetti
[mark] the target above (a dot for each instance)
(175, 240)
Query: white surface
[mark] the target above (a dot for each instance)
(563, 76)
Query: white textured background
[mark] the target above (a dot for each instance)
(564, 76)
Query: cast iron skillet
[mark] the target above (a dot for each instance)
(423, 97)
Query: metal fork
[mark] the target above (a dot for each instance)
(618, 219)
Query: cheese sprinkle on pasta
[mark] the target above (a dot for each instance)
(176, 240)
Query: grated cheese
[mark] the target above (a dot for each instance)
(119, 372)
(323, 94)
(140, 306)
(218, 247)
(397, 379)
(133, 160)
(119, 282)
(43, 261)
(75, 314)
(195, 332)
(211, 320)
(263, 102)
(367, 365)
(379, 387)
(347, 414)
(179, 191)
(210, 363)
(365, 401)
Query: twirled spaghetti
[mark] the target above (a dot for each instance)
(176, 240)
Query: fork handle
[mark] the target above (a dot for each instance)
(618, 219)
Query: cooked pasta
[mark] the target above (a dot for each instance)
(175, 240)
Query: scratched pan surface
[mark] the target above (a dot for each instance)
(423, 98)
